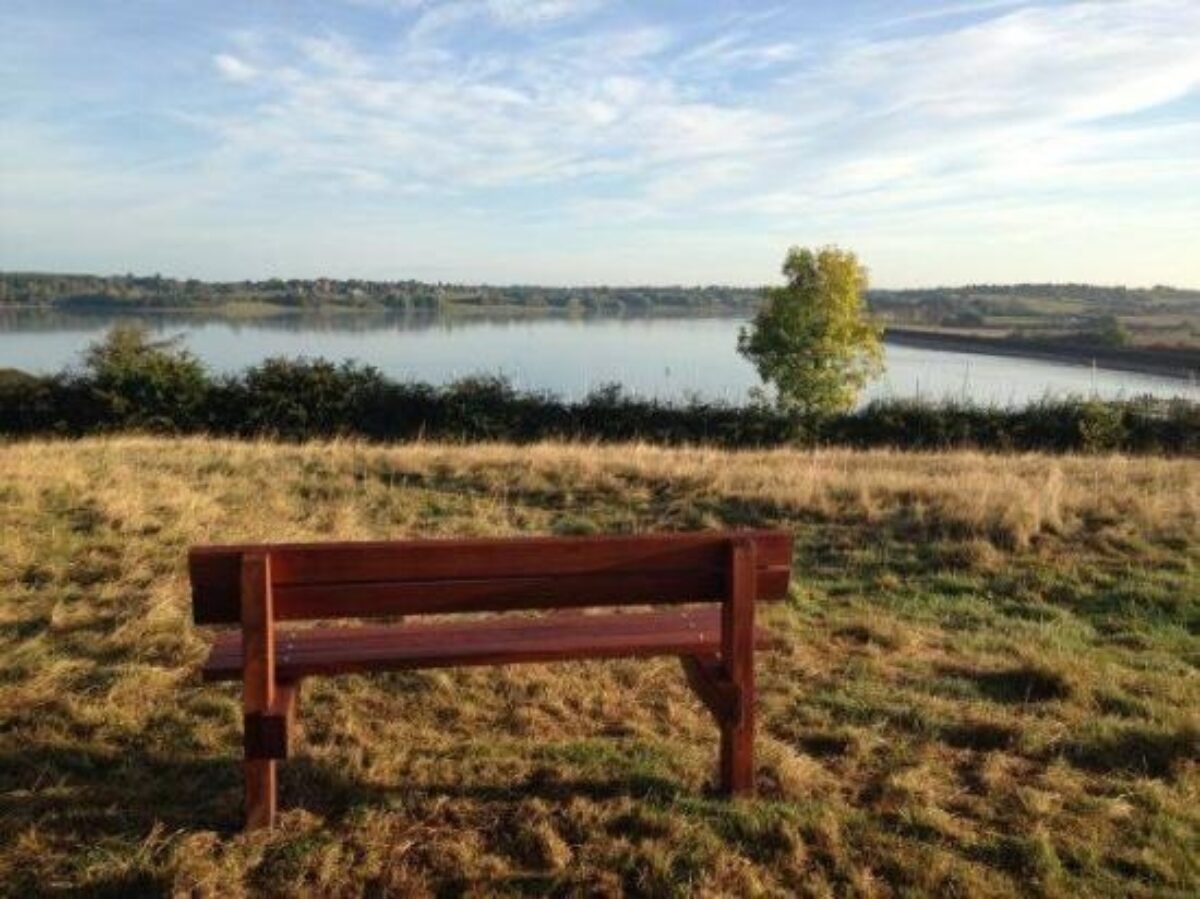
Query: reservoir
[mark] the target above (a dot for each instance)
(667, 358)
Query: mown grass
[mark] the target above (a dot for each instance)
(989, 685)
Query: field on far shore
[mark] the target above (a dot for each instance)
(989, 683)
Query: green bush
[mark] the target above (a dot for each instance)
(298, 398)
(1101, 426)
(144, 384)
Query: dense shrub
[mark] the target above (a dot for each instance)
(131, 383)
(25, 402)
(297, 399)
(135, 382)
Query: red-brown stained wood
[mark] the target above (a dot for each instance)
(737, 657)
(366, 600)
(257, 586)
(261, 791)
(340, 650)
(419, 576)
(509, 557)
(258, 681)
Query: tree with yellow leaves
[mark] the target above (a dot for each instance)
(813, 340)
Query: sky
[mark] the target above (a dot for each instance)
(596, 141)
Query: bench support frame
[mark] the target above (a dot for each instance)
(737, 661)
(268, 707)
(725, 683)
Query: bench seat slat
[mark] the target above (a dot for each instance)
(553, 637)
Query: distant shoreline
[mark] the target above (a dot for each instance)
(1178, 363)
(1166, 362)
(249, 310)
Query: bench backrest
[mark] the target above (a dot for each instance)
(360, 580)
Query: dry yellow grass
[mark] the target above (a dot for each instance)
(990, 684)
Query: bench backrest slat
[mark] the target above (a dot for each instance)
(332, 580)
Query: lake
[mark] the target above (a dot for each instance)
(662, 357)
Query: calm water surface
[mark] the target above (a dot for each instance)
(668, 358)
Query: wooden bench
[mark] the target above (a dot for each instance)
(719, 576)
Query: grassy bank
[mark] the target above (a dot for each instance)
(990, 681)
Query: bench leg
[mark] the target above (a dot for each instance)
(261, 792)
(737, 753)
(262, 721)
(737, 664)
(732, 708)
(268, 739)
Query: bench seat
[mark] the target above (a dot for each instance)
(557, 636)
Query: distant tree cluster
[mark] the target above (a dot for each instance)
(157, 292)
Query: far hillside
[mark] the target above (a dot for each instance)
(1014, 305)
(1163, 316)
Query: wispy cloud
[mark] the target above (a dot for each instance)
(952, 10)
(962, 106)
(232, 68)
(539, 12)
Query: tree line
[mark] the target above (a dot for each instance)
(156, 292)
(964, 306)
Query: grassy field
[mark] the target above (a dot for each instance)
(990, 682)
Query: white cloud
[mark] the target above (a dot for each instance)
(954, 9)
(740, 50)
(1081, 62)
(332, 54)
(234, 69)
(551, 116)
(539, 12)
(437, 18)
(508, 12)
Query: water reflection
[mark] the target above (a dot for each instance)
(566, 354)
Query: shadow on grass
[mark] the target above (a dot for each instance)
(1141, 750)
(117, 794)
(307, 783)
(108, 805)
(1014, 686)
(97, 794)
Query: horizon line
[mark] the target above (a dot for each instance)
(590, 286)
